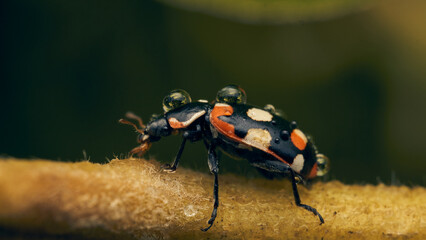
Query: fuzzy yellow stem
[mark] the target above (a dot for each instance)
(134, 199)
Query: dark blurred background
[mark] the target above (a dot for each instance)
(355, 81)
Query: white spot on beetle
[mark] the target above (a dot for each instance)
(298, 163)
(203, 100)
(259, 138)
(259, 115)
(221, 105)
(174, 123)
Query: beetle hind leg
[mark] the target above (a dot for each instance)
(276, 167)
(214, 168)
(297, 198)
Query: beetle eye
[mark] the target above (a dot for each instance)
(231, 94)
(323, 165)
(175, 99)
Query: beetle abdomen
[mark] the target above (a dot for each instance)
(246, 124)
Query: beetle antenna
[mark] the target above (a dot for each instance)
(124, 121)
(133, 116)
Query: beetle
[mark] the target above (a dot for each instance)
(272, 144)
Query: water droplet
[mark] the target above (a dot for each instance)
(190, 211)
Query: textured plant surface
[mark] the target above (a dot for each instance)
(134, 199)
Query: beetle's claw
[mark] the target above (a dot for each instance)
(167, 168)
(207, 228)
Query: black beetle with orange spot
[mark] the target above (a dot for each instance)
(275, 146)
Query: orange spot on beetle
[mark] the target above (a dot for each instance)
(313, 172)
(298, 139)
(223, 127)
(174, 123)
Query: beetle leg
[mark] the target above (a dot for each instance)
(206, 143)
(193, 134)
(214, 168)
(141, 149)
(167, 167)
(273, 166)
(297, 198)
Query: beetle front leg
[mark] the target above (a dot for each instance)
(297, 198)
(192, 135)
(141, 149)
(167, 167)
(214, 168)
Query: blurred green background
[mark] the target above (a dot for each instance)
(352, 78)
